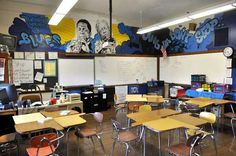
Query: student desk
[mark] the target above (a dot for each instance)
(55, 114)
(187, 118)
(201, 102)
(162, 125)
(141, 117)
(18, 119)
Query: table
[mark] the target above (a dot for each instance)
(162, 125)
(8, 112)
(55, 114)
(70, 120)
(141, 117)
(187, 118)
(62, 106)
(201, 101)
(36, 126)
(19, 119)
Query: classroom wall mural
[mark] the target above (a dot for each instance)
(34, 34)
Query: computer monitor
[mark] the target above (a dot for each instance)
(4, 97)
(10, 89)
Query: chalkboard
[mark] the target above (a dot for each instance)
(74, 72)
(23, 71)
(178, 69)
(125, 70)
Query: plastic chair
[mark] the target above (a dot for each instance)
(186, 149)
(232, 116)
(145, 108)
(124, 135)
(134, 106)
(45, 144)
(118, 106)
(90, 133)
(8, 143)
(210, 118)
(31, 97)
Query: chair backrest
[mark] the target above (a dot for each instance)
(32, 98)
(194, 140)
(209, 117)
(36, 140)
(145, 108)
(98, 117)
(116, 125)
(134, 106)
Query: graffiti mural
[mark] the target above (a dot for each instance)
(34, 34)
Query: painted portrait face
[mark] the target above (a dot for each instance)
(82, 31)
(104, 31)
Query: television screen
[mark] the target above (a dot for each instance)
(10, 90)
(8, 40)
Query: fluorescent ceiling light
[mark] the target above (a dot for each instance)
(55, 19)
(202, 13)
(61, 11)
(174, 22)
(65, 6)
(145, 30)
(212, 11)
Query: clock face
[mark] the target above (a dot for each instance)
(228, 51)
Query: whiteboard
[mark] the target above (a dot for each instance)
(72, 72)
(178, 69)
(23, 71)
(125, 70)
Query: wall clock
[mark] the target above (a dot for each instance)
(228, 51)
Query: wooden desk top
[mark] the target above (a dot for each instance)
(187, 118)
(36, 126)
(57, 113)
(19, 119)
(8, 112)
(167, 124)
(201, 102)
(136, 99)
(141, 117)
(69, 120)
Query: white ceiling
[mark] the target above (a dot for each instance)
(151, 11)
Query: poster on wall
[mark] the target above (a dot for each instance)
(2, 68)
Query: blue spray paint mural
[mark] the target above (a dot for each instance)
(33, 34)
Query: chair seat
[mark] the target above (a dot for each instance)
(44, 151)
(127, 136)
(179, 150)
(230, 115)
(7, 138)
(86, 132)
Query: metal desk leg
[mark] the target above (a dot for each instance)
(144, 141)
(159, 142)
(67, 138)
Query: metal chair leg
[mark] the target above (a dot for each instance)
(92, 141)
(214, 141)
(126, 149)
(232, 127)
(100, 140)
(113, 146)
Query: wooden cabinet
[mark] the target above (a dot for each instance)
(6, 63)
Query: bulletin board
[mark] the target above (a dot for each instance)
(178, 69)
(34, 67)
